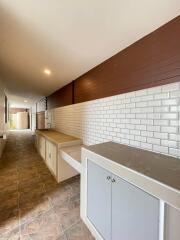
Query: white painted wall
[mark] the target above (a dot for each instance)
(22, 120)
(148, 119)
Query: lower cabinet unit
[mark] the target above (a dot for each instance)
(51, 157)
(42, 147)
(119, 210)
(99, 199)
(135, 213)
(49, 145)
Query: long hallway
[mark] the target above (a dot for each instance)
(32, 205)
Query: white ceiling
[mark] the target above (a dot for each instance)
(68, 37)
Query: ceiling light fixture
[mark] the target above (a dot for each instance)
(25, 101)
(47, 71)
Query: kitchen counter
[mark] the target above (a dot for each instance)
(49, 144)
(58, 138)
(155, 173)
(72, 155)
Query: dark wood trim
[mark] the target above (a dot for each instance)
(62, 97)
(152, 61)
(6, 109)
(73, 93)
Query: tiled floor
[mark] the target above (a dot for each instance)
(32, 205)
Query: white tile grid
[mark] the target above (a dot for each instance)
(41, 105)
(148, 119)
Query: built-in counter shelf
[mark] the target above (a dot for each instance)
(49, 143)
(128, 193)
(72, 155)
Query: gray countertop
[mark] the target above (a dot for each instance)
(162, 168)
(74, 151)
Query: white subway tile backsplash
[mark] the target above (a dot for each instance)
(175, 137)
(170, 102)
(148, 119)
(175, 94)
(155, 90)
(171, 87)
(161, 122)
(161, 135)
(146, 134)
(135, 143)
(154, 103)
(169, 129)
(154, 116)
(169, 116)
(161, 96)
(153, 128)
(167, 143)
(153, 141)
(160, 149)
(161, 109)
(140, 138)
(146, 145)
(174, 152)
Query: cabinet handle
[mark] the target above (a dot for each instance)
(108, 177)
(113, 180)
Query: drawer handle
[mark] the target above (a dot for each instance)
(113, 180)
(108, 177)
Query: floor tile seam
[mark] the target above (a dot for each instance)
(35, 217)
(72, 225)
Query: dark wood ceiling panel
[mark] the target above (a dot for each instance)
(153, 60)
(62, 97)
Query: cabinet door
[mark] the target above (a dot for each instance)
(99, 199)
(47, 153)
(53, 157)
(42, 146)
(135, 214)
(172, 221)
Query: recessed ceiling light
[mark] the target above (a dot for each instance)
(47, 71)
(25, 101)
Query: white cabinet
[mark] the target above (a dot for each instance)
(119, 210)
(172, 223)
(50, 152)
(51, 157)
(99, 199)
(135, 213)
(42, 146)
